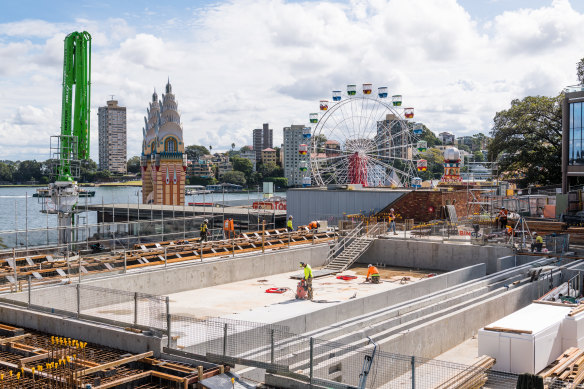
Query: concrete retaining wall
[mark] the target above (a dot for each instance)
(356, 307)
(433, 255)
(88, 332)
(179, 278)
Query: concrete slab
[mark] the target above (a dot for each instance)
(248, 300)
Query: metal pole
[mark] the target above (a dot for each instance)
(413, 372)
(311, 359)
(272, 346)
(168, 328)
(263, 234)
(78, 300)
(165, 257)
(225, 339)
(125, 261)
(26, 219)
(30, 291)
(135, 308)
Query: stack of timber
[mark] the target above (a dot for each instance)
(475, 376)
(567, 367)
(546, 227)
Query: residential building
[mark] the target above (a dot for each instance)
(222, 164)
(572, 136)
(262, 139)
(201, 168)
(332, 148)
(249, 155)
(446, 138)
(465, 140)
(269, 156)
(293, 138)
(112, 138)
(163, 159)
(393, 137)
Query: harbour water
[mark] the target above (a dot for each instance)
(19, 211)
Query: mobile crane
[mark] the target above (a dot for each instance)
(72, 145)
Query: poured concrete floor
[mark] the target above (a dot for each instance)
(248, 300)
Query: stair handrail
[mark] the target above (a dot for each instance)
(342, 243)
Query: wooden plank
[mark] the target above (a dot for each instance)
(119, 362)
(509, 330)
(13, 338)
(125, 380)
(168, 377)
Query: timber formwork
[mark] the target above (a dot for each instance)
(15, 273)
(31, 359)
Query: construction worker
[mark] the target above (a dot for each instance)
(538, 245)
(307, 278)
(228, 229)
(503, 217)
(372, 274)
(313, 226)
(392, 221)
(204, 230)
(289, 224)
(509, 231)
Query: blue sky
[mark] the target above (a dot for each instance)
(235, 65)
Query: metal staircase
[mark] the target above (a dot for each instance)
(351, 247)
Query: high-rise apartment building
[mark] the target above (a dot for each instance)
(262, 139)
(393, 137)
(293, 138)
(112, 138)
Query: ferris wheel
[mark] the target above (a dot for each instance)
(364, 138)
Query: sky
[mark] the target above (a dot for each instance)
(237, 64)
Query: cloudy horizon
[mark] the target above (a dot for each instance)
(234, 65)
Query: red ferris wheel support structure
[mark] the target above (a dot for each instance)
(358, 169)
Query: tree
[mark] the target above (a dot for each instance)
(27, 171)
(478, 140)
(580, 71)
(527, 140)
(319, 141)
(134, 164)
(244, 149)
(233, 146)
(279, 182)
(6, 172)
(243, 165)
(435, 160)
(464, 147)
(87, 171)
(195, 152)
(234, 177)
(478, 156)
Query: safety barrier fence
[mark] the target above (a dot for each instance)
(317, 361)
(132, 309)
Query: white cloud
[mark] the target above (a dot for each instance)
(238, 64)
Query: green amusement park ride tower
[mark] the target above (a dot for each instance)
(72, 145)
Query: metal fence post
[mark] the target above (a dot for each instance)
(225, 339)
(272, 346)
(168, 320)
(311, 359)
(78, 300)
(413, 372)
(135, 308)
(29, 292)
(165, 257)
(125, 262)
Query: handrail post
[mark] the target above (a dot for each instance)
(135, 308)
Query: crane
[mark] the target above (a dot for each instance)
(72, 145)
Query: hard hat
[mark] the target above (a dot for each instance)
(206, 220)
(502, 207)
(301, 263)
(391, 209)
(369, 265)
(290, 217)
(534, 233)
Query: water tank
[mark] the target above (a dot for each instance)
(451, 154)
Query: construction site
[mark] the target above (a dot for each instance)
(365, 278)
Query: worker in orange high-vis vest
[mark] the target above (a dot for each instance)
(313, 226)
(228, 229)
(372, 274)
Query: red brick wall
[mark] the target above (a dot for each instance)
(416, 204)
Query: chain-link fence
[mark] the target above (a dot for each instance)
(139, 310)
